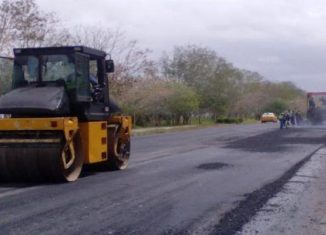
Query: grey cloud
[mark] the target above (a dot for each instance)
(283, 40)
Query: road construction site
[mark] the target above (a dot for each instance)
(215, 180)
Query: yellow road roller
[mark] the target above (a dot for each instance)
(61, 116)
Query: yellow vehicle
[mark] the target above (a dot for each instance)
(268, 117)
(61, 117)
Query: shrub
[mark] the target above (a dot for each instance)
(229, 120)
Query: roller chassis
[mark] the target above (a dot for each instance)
(29, 148)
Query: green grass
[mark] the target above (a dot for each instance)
(250, 121)
(203, 121)
(149, 130)
(162, 129)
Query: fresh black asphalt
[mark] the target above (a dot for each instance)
(203, 181)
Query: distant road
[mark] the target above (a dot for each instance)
(202, 181)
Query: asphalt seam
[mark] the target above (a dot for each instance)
(233, 220)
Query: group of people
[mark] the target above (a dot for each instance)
(289, 118)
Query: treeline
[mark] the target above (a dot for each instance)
(192, 82)
(195, 82)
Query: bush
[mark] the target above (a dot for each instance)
(229, 120)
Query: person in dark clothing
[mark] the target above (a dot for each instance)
(287, 119)
(282, 120)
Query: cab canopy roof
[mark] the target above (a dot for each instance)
(92, 53)
(316, 93)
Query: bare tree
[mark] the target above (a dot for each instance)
(6, 25)
(131, 60)
(23, 24)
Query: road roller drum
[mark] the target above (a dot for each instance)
(37, 156)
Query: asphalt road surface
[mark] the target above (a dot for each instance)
(203, 181)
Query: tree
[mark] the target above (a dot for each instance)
(131, 61)
(182, 102)
(146, 101)
(276, 106)
(6, 24)
(30, 24)
(212, 77)
(23, 24)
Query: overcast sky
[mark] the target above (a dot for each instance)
(281, 39)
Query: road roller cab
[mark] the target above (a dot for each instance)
(61, 116)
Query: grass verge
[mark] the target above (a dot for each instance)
(167, 129)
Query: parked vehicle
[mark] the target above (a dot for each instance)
(268, 117)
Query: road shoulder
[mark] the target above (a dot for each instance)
(300, 208)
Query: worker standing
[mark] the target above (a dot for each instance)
(286, 119)
(281, 117)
